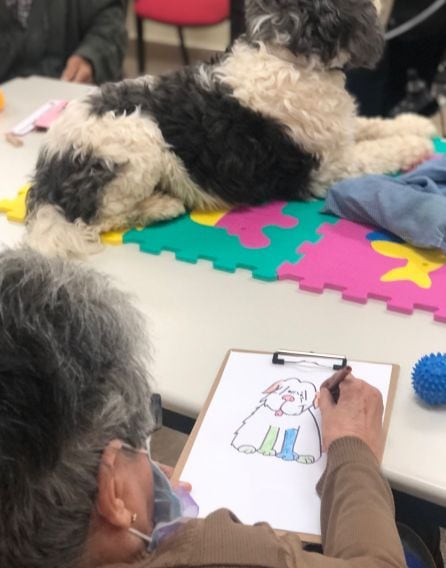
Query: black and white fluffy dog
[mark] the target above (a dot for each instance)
(270, 119)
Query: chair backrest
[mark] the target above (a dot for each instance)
(185, 12)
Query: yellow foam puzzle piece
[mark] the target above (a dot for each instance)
(114, 238)
(15, 209)
(209, 218)
(420, 262)
(117, 237)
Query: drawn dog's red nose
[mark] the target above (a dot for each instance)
(288, 397)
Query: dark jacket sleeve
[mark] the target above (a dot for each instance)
(11, 36)
(104, 39)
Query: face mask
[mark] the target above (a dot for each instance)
(172, 508)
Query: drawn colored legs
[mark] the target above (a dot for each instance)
(287, 452)
(267, 447)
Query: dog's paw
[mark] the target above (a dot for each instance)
(247, 449)
(414, 151)
(288, 456)
(268, 453)
(319, 190)
(305, 459)
(416, 124)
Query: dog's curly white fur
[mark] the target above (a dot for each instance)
(270, 119)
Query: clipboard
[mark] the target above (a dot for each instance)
(286, 362)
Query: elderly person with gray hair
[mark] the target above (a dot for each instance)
(77, 486)
(74, 396)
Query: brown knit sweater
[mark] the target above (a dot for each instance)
(358, 528)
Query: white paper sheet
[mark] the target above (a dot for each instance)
(253, 411)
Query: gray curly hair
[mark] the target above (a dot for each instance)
(73, 376)
(322, 28)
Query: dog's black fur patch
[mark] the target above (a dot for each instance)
(72, 181)
(229, 150)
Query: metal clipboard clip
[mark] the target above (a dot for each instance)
(334, 362)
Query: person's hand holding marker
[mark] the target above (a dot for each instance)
(351, 407)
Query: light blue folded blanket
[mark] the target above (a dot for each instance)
(412, 206)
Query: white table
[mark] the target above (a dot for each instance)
(197, 313)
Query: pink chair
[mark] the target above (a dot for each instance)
(179, 13)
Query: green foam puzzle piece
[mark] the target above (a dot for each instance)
(191, 241)
(440, 145)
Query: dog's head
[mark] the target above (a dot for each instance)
(338, 32)
(290, 396)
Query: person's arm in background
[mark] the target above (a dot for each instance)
(11, 38)
(100, 55)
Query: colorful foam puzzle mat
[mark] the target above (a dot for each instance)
(295, 241)
(363, 263)
(258, 239)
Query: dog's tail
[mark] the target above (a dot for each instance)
(52, 234)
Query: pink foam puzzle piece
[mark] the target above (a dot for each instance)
(344, 260)
(247, 223)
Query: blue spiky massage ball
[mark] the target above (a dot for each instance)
(429, 378)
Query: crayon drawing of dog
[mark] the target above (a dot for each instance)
(284, 424)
